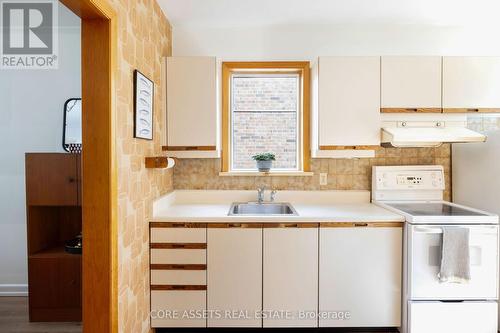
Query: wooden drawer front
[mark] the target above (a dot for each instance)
(169, 256)
(178, 235)
(177, 277)
(168, 308)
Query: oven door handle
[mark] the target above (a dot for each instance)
(483, 230)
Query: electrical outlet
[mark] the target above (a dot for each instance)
(323, 179)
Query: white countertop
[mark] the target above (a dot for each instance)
(311, 206)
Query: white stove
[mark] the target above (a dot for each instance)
(429, 306)
(438, 212)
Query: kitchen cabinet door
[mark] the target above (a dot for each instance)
(52, 179)
(348, 102)
(290, 276)
(360, 276)
(471, 84)
(411, 84)
(235, 276)
(191, 107)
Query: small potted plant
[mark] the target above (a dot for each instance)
(264, 161)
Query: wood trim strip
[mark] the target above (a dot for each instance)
(225, 95)
(177, 287)
(306, 117)
(361, 224)
(189, 148)
(293, 65)
(234, 225)
(471, 110)
(373, 147)
(411, 110)
(187, 246)
(178, 267)
(177, 225)
(300, 67)
(289, 225)
(99, 167)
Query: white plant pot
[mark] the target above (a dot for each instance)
(264, 166)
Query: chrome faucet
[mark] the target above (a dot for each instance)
(260, 194)
(273, 195)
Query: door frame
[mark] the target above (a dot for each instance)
(99, 183)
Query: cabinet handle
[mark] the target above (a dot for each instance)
(472, 110)
(71, 179)
(360, 224)
(293, 225)
(234, 225)
(178, 225)
(411, 110)
(178, 287)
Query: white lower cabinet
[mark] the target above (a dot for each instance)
(234, 276)
(279, 275)
(290, 276)
(459, 317)
(178, 277)
(360, 276)
(183, 308)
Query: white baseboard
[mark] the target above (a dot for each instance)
(13, 290)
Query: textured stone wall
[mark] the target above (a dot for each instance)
(265, 120)
(261, 132)
(343, 174)
(144, 38)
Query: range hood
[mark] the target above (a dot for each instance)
(422, 135)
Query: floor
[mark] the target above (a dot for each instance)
(14, 319)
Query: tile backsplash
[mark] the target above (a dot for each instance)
(343, 174)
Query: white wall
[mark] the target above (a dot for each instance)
(306, 42)
(31, 116)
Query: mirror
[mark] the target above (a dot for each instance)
(72, 128)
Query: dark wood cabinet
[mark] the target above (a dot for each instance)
(52, 179)
(54, 215)
(55, 287)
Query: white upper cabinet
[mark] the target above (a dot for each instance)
(192, 120)
(471, 84)
(346, 106)
(411, 84)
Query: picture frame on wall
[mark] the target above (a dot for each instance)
(143, 106)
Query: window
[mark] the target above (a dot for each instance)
(265, 109)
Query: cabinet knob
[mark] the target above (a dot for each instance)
(71, 179)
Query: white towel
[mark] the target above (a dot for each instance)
(455, 259)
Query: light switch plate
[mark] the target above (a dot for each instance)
(323, 179)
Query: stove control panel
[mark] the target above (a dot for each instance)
(403, 182)
(409, 180)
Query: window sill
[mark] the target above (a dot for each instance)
(267, 174)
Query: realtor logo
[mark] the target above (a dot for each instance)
(29, 34)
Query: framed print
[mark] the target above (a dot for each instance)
(143, 106)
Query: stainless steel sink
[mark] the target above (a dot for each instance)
(265, 208)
